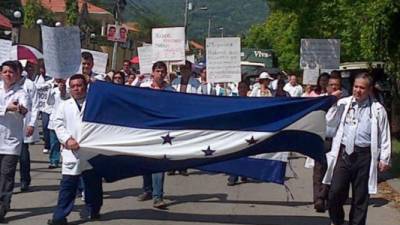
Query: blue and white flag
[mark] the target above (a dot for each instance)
(133, 131)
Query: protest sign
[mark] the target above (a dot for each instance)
(145, 59)
(310, 76)
(223, 59)
(168, 44)
(5, 49)
(100, 60)
(61, 50)
(42, 94)
(324, 53)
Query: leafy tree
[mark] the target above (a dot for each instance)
(34, 10)
(72, 12)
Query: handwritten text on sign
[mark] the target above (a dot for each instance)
(223, 59)
(324, 53)
(168, 44)
(61, 50)
(145, 59)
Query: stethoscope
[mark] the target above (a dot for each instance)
(351, 117)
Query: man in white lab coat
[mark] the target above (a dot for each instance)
(360, 147)
(68, 127)
(13, 107)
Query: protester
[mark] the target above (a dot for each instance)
(43, 84)
(186, 83)
(67, 126)
(119, 78)
(205, 87)
(87, 62)
(14, 105)
(280, 92)
(30, 122)
(320, 190)
(126, 68)
(307, 91)
(262, 90)
(360, 146)
(153, 184)
(294, 89)
(131, 79)
(322, 84)
(56, 95)
(243, 89)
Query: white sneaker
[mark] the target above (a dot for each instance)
(45, 151)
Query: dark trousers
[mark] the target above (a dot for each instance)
(25, 165)
(8, 166)
(55, 155)
(354, 170)
(46, 131)
(67, 193)
(320, 190)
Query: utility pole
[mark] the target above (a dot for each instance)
(209, 27)
(119, 5)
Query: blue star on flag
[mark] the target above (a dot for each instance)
(251, 141)
(167, 139)
(208, 151)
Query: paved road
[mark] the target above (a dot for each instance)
(200, 198)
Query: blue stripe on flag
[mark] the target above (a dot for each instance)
(153, 109)
(114, 168)
(260, 169)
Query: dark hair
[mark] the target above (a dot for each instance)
(367, 76)
(122, 75)
(318, 89)
(202, 69)
(127, 60)
(87, 56)
(335, 75)
(159, 65)
(77, 77)
(122, 28)
(10, 64)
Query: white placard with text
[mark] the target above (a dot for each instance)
(168, 44)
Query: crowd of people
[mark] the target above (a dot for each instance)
(357, 139)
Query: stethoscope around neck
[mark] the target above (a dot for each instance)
(351, 109)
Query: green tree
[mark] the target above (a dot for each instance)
(34, 10)
(72, 12)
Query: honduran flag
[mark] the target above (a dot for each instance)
(131, 131)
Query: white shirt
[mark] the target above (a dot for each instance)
(54, 101)
(294, 91)
(67, 123)
(191, 87)
(11, 123)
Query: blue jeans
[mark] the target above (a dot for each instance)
(46, 131)
(54, 156)
(67, 194)
(25, 165)
(154, 183)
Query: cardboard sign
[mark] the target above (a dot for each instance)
(61, 50)
(310, 76)
(168, 44)
(145, 59)
(324, 53)
(100, 60)
(5, 49)
(223, 60)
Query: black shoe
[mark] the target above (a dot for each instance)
(57, 222)
(95, 217)
(231, 183)
(171, 173)
(319, 206)
(24, 187)
(183, 173)
(3, 211)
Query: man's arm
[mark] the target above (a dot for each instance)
(384, 140)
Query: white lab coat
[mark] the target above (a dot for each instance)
(380, 139)
(11, 123)
(54, 101)
(67, 123)
(31, 117)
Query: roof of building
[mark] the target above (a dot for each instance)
(5, 22)
(58, 6)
